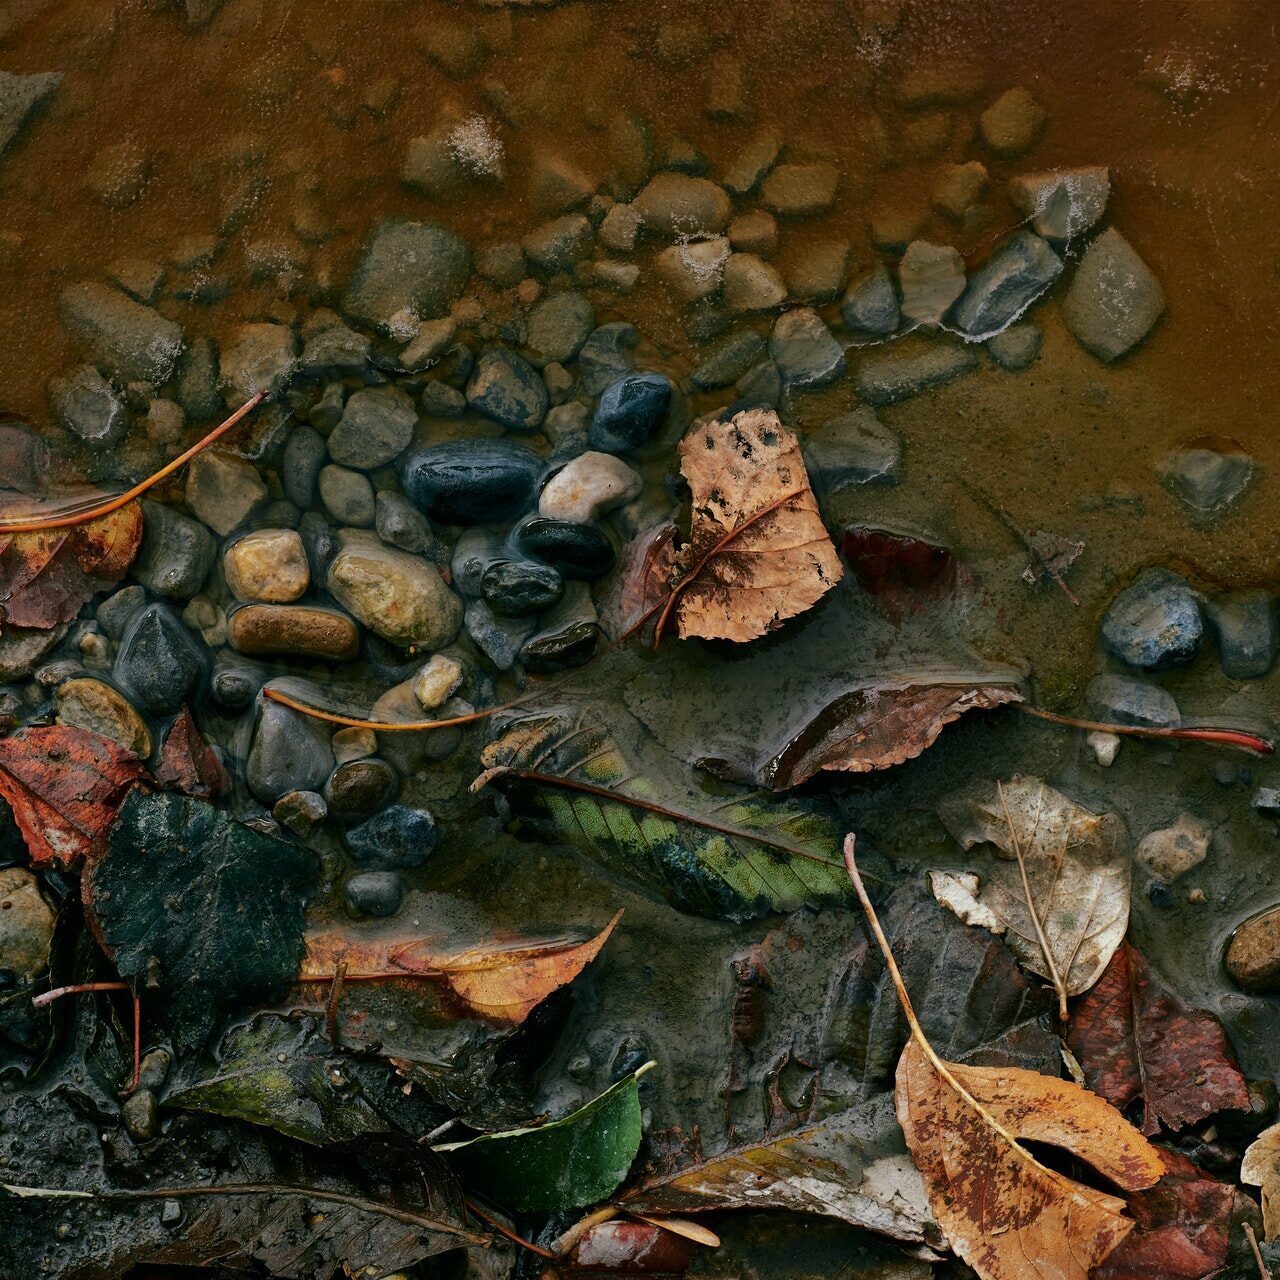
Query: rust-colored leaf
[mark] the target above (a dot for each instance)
(65, 786)
(965, 1128)
(629, 1247)
(188, 764)
(1136, 1040)
(46, 575)
(501, 980)
(642, 581)
(903, 573)
(758, 552)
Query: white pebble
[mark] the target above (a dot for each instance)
(1105, 746)
(437, 680)
(587, 487)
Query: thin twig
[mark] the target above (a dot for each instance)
(504, 1230)
(137, 1049)
(331, 1009)
(1224, 737)
(48, 997)
(106, 507)
(1257, 1253)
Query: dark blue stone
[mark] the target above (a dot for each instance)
(375, 893)
(504, 386)
(471, 481)
(395, 838)
(580, 551)
(630, 412)
(514, 588)
(160, 664)
(1154, 623)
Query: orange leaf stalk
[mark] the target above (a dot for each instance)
(1222, 737)
(108, 505)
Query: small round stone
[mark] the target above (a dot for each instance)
(269, 565)
(580, 551)
(588, 487)
(630, 412)
(375, 893)
(361, 787)
(437, 681)
(514, 588)
(395, 838)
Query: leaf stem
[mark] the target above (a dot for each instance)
(48, 997)
(1257, 1253)
(504, 1230)
(106, 507)
(1224, 737)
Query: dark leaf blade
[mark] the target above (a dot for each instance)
(1137, 1041)
(208, 906)
(727, 858)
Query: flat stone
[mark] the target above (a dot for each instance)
(499, 639)
(86, 404)
(617, 277)
(268, 565)
(305, 452)
(693, 269)
(911, 367)
(376, 426)
(621, 228)
(559, 325)
(606, 355)
(26, 924)
(131, 342)
(1207, 474)
(308, 631)
(557, 185)
(1114, 301)
(400, 597)
(673, 204)
(221, 491)
(818, 270)
(504, 386)
(99, 708)
(959, 189)
(1120, 700)
(160, 664)
(1253, 956)
(1012, 123)
(333, 349)
(515, 588)
(756, 157)
(416, 266)
(259, 357)
(932, 278)
(347, 496)
(470, 481)
(567, 635)
(754, 232)
(588, 487)
(433, 339)
(1154, 623)
(751, 284)
(1173, 851)
(1062, 203)
(439, 400)
(580, 552)
(800, 190)
(556, 245)
(1006, 285)
(728, 360)
(804, 349)
(630, 412)
(289, 752)
(22, 649)
(1015, 348)
(21, 97)
(1245, 626)
(177, 552)
(198, 382)
(854, 448)
(870, 305)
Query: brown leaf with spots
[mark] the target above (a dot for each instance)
(65, 786)
(46, 575)
(758, 552)
(188, 764)
(1006, 1214)
(500, 980)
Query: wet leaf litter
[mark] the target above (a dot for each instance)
(424, 815)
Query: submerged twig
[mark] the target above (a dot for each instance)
(108, 505)
(331, 1008)
(48, 997)
(1257, 1253)
(1050, 552)
(506, 1231)
(1221, 737)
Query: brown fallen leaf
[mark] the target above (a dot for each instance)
(502, 981)
(65, 786)
(632, 1247)
(903, 573)
(642, 582)
(1261, 1168)
(47, 575)
(188, 764)
(1006, 1214)
(758, 552)
(1135, 1039)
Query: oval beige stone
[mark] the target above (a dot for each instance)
(96, 706)
(269, 565)
(259, 630)
(26, 923)
(1253, 958)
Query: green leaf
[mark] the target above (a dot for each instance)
(730, 856)
(198, 910)
(284, 1073)
(567, 1164)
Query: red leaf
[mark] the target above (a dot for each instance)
(1134, 1038)
(904, 573)
(1183, 1231)
(64, 786)
(188, 764)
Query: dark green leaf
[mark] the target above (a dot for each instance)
(284, 1074)
(566, 1164)
(728, 856)
(206, 909)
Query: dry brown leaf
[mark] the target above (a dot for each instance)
(1064, 900)
(501, 980)
(1006, 1214)
(46, 575)
(1261, 1168)
(758, 552)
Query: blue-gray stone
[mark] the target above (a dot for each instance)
(728, 360)
(289, 752)
(132, 342)
(504, 386)
(1120, 700)
(1015, 348)
(375, 893)
(804, 349)
(160, 664)
(395, 838)
(1244, 623)
(871, 303)
(87, 405)
(177, 552)
(305, 452)
(607, 354)
(630, 412)
(1154, 623)
(515, 588)
(1006, 285)
(470, 481)
(415, 266)
(376, 425)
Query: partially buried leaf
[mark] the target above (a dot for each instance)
(1075, 915)
(1261, 1168)
(903, 573)
(46, 576)
(502, 979)
(207, 909)
(758, 552)
(283, 1073)
(1136, 1040)
(642, 581)
(730, 857)
(188, 764)
(628, 1246)
(565, 1164)
(65, 786)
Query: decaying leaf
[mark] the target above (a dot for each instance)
(502, 980)
(65, 786)
(904, 574)
(758, 552)
(188, 764)
(642, 580)
(631, 1247)
(965, 1127)
(1261, 1168)
(1136, 1040)
(204, 913)
(1064, 900)
(565, 1164)
(731, 857)
(46, 576)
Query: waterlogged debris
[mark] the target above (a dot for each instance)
(1061, 885)
(758, 552)
(203, 913)
(566, 1164)
(65, 786)
(1137, 1041)
(965, 1128)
